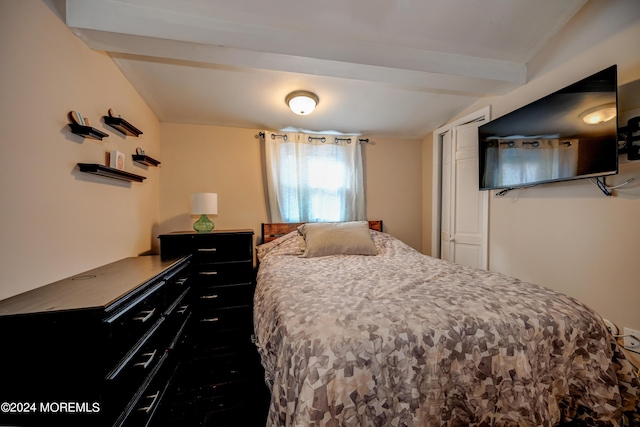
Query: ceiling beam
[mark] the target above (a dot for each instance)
(122, 28)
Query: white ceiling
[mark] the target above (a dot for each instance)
(397, 68)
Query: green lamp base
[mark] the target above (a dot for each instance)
(203, 225)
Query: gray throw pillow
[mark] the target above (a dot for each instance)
(337, 238)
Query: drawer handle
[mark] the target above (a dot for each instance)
(145, 315)
(210, 319)
(214, 296)
(181, 281)
(182, 309)
(207, 250)
(154, 398)
(209, 273)
(146, 364)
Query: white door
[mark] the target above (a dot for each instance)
(446, 233)
(463, 207)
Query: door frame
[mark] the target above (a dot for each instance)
(436, 206)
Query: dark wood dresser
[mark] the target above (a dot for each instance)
(100, 348)
(223, 382)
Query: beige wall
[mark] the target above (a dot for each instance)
(56, 221)
(229, 162)
(211, 159)
(393, 184)
(569, 236)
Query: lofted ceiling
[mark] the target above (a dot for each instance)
(397, 68)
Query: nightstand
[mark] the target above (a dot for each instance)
(223, 380)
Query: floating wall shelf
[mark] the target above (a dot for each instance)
(97, 169)
(122, 126)
(87, 131)
(145, 160)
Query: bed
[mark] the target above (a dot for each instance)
(398, 338)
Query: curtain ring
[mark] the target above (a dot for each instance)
(321, 138)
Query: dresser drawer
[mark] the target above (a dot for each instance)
(149, 393)
(227, 363)
(127, 326)
(180, 306)
(224, 247)
(148, 398)
(177, 281)
(224, 273)
(231, 368)
(208, 344)
(129, 374)
(214, 320)
(216, 402)
(224, 296)
(179, 319)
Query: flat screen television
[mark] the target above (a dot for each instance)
(555, 138)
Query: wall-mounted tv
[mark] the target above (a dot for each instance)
(563, 136)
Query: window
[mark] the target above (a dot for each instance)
(312, 181)
(533, 161)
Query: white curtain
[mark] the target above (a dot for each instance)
(313, 181)
(523, 162)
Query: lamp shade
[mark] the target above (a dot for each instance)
(204, 203)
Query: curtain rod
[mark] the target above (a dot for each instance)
(321, 138)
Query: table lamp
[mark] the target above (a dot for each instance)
(204, 204)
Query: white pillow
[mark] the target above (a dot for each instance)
(337, 238)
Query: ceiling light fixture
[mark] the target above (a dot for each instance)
(600, 114)
(302, 102)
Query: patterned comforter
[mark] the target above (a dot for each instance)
(403, 339)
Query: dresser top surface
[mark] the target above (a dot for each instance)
(213, 232)
(93, 289)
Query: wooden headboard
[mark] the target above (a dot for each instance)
(271, 231)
